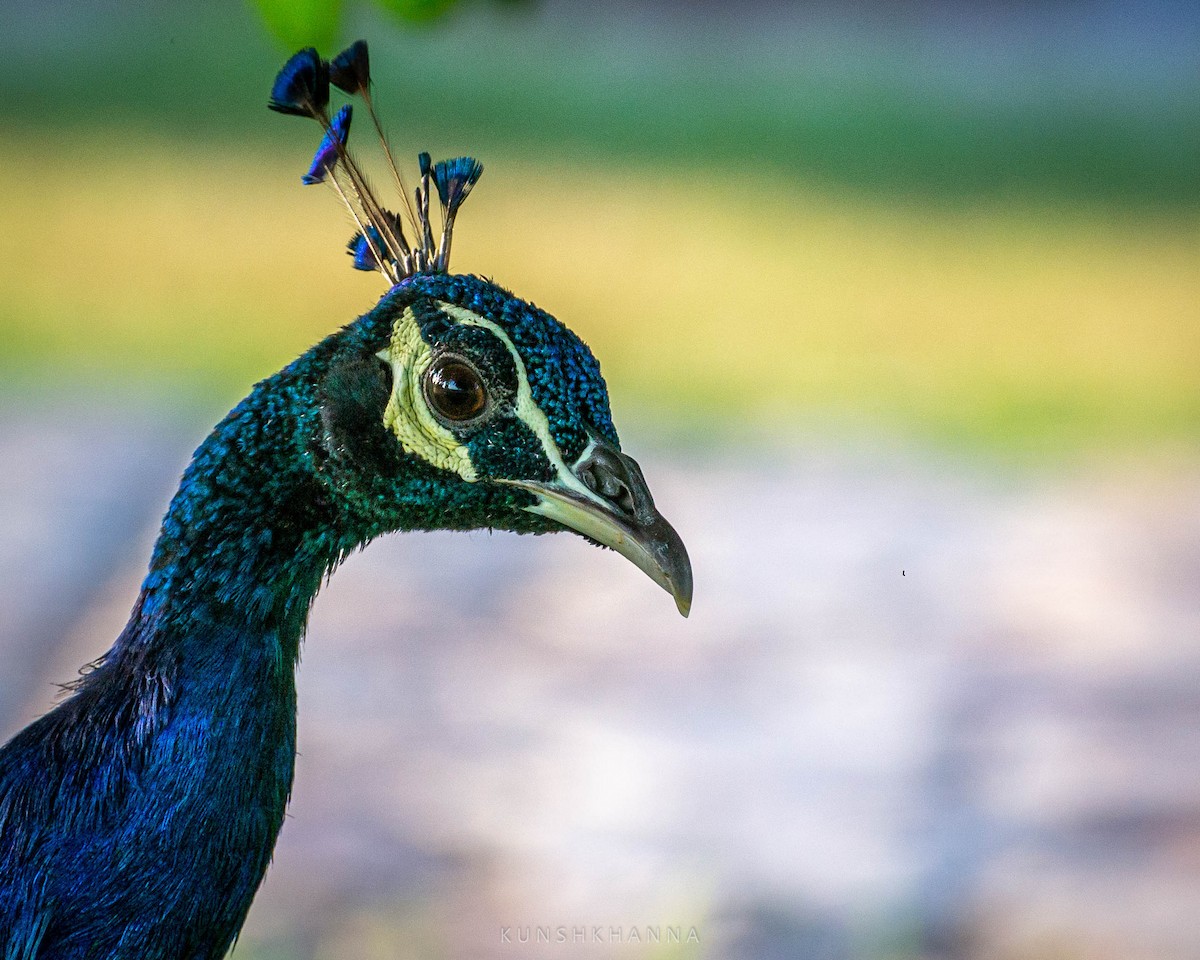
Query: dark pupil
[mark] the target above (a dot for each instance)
(455, 392)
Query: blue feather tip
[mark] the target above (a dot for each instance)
(301, 88)
(364, 253)
(350, 70)
(455, 178)
(332, 146)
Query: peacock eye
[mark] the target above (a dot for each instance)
(454, 389)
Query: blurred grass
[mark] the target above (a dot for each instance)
(751, 302)
(893, 108)
(750, 228)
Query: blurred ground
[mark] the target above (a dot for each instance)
(924, 707)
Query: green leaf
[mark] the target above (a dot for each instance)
(302, 23)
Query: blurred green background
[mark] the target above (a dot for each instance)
(900, 311)
(972, 225)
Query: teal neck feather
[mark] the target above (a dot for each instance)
(173, 759)
(253, 529)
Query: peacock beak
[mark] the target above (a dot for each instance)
(604, 496)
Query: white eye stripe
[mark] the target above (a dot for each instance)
(409, 418)
(524, 406)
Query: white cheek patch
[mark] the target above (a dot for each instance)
(407, 415)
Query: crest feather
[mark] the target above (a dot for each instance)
(333, 144)
(350, 70)
(302, 88)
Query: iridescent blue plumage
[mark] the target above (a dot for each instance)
(564, 376)
(333, 144)
(301, 88)
(455, 178)
(363, 252)
(138, 817)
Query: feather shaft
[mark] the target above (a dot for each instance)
(365, 229)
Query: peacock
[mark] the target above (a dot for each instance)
(138, 817)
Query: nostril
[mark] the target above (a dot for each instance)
(611, 487)
(617, 492)
(591, 478)
(604, 479)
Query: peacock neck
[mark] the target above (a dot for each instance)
(177, 750)
(252, 531)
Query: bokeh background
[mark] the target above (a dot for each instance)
(900, 312)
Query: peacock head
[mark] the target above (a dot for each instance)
(492, 407)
